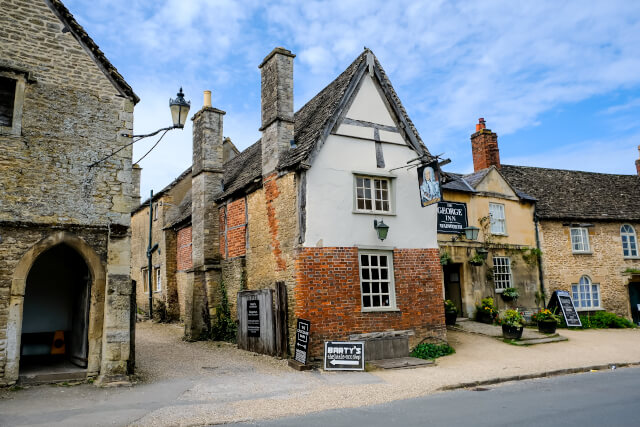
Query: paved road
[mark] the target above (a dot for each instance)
(606, 398)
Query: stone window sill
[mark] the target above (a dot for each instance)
(582, 253)
(374, 213)
(380, 310)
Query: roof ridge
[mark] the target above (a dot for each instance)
(569, 170)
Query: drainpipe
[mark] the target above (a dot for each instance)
(150, 251)
(535, 221)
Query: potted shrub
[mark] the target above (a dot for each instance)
(547, 321)
(487, 311)
(510, 294)
(450, 312)
(512, 325)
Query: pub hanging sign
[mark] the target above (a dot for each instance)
(429, 183)
(452, 217)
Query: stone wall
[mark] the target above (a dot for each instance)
(328, 294)
(605, 265)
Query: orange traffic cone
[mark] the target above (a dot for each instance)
(58, 346)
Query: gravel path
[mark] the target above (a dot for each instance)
(205, 383)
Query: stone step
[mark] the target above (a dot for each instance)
(556, 338)
(401, 363)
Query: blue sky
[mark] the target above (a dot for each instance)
(558, 81)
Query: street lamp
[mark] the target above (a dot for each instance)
(179, 110)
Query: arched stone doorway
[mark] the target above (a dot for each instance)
(55, 317)
(51, 286)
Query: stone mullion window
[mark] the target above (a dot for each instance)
(580, 240)
(501, 273)
(586, 295)
(376, 280)
(629, 242)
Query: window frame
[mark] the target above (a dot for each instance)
(509, 273)
(495, 220)
(145, 280)
(18, 101)
(584, 231)
(157, 280)
(391, 279)
(578, 302)
(632, 239)
(373, 178)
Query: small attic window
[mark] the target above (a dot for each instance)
(7, 98)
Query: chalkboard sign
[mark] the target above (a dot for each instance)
(253, 318)
(452, 217)
(302, 341)
(563, 300)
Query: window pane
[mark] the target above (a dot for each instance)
(375, 302)
(364, 259)
(375, 274)
(366, 301)
(365, 274)
(375, 288)
(385, 287)
(367, 205)
(385, 301)
(366, 288)
(383, 260)
(384, 275)
(374, 260)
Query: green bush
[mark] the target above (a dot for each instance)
(224, 327)
(604, 320)
(432, 351)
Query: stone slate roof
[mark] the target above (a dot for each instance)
(566, 194)
(456, 182)
(468, 183)
(242, 170)
(182, 212)
(92, 48)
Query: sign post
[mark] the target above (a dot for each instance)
(344, 356)
(563, 300)
(302, 341)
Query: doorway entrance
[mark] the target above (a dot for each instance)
(55, 319)
(634, 299)
(452, 289)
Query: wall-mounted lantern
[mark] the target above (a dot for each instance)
(381, 228)
(471, 233)
(482, 252)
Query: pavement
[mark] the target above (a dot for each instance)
(530, 336)
(207, 383)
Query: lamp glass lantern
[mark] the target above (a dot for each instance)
(179, 110)
(381, 228)
(471, 233)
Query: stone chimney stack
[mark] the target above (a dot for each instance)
(206, 182)
(638, 161)
(136, 174)
(484, 147)
(276, 72)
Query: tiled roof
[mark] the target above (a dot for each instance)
(566, 194)
(81, 35)
(182, 212)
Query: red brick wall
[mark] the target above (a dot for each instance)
(327, 293)
(233, 229)
(484, 147)
(183, 249)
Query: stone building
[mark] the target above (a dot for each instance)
(506, 239)
(299, 205)
(171, 230)
(64, 219)
(586, 226)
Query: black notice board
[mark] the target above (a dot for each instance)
(253, 318)
(344, 356)
(452, 217)
(563, 300)
(302, 341)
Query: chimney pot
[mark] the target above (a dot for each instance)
(207, 98)
(484, 147)
(481, 125)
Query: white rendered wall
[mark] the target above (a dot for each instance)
(330, 220)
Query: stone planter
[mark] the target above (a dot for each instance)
(507, 298)
(450, 317)
(547, 326)
(484, 317)
(512, 332)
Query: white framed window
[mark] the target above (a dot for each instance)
(502, 273)
(145, 280)
(376, 281)
(157, 283)
(498, 222)
(580, 240)
(372, 194)
(629, 241)
(12, 87)
(586, 295)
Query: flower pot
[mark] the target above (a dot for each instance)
(484, 317)
(547, 326)
(507, 298)
(450, 317)
(512, 332)
(476, 263)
